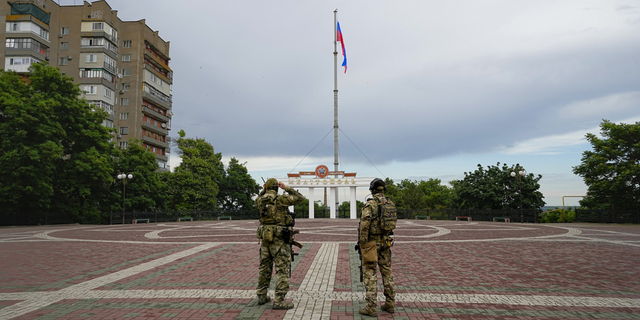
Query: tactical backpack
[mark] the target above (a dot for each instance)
(267, 206)
(270, 214)
(387, 215)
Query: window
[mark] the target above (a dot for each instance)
(64, 45)
(108, 93)
(92, 42)
(21, 61)
(124, 130)
(27, 44)
(126, 43)
(154, 78)
(104, 106)
(14, 26)
(161, 83)
(91, 89)
(126, 72)
(64, 30)
(126, 57)
(92, 58)
(98, 26)
(124, 102)
(125, 87)
(109, 61)
(44, 34)
(96, 73)
(124, 115)
(64, 61)
(124, 145)
(107, 123)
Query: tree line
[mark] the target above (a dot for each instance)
(57, 156)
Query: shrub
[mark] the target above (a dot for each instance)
(553, 216)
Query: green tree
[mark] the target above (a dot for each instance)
(423, 194)
(436, 195)
(345, 208)
(302, 209)
(193, 184)
(411, 196)
(237, 188)
(555, 215)
(495, 188)
(611, 170)
(55, 154)
(146, 190)
(392, 190)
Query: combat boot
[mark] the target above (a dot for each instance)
(369, 311)
(282, 305)
(388, 307)
(263, 299)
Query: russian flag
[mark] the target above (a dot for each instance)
(344, 52)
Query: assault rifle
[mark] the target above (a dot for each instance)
(357, 247)
(288, 236)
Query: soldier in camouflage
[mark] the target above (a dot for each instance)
(369, 231)
(275, 232)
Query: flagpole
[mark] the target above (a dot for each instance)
(335, 100)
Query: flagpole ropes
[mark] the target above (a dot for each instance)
(335, 100)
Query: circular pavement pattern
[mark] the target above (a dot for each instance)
(209, 270)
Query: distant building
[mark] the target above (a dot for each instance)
(122, 66)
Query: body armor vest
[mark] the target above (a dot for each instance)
(271, 213)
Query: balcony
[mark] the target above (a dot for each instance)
(102, 81)
(27, 17)
(100, 34)
(26, 46)
(156, 60)
(155, 129)
(99, 45)
(43, 34)
(157, 73)
(148, 111)
(110, 68)
(155, 142)
(156, 97)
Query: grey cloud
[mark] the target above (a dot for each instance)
(256, 79)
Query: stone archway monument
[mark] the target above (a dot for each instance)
(332, 180)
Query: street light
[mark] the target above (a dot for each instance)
(124, 176)
(520, 174)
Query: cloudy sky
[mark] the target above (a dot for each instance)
(433, 88)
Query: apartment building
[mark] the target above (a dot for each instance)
(122, 66)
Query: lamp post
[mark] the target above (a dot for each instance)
(124, 176)
(519, 176)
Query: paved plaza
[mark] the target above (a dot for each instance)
(209, 270)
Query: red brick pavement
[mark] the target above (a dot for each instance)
(27, 266)
(435, 257)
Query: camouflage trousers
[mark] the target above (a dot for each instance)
(371, 278)
(278, 253)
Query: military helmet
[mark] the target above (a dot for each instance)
(377, 184)
(271, 184)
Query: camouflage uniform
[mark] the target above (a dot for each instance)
(369, 230)
(274, 248)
